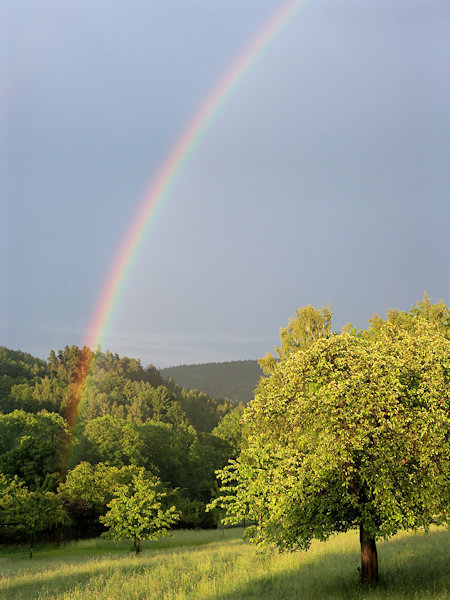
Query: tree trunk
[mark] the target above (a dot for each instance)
(138, 545)
(31, 546)
(369, 558)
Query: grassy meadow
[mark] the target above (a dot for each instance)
(216, 565)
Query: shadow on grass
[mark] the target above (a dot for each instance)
(70, 572)
(413, 567)
(68, 577)
(100, 548)
(409, 568)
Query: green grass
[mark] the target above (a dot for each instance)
(203, 565)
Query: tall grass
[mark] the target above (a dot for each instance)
(203, 565)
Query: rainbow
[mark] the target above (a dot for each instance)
(169, 171)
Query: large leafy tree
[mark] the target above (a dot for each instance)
(351, 432)
(137, 511)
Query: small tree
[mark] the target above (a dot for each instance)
(29, 511)
(137, 512)
(352, 432)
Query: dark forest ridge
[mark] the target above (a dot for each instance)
(236, 379)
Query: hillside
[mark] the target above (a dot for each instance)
(121, 417)
(236, 380)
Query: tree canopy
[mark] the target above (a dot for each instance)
(352, 431)
(83, 417)
(138, 512)
(346, 430)
(307, 326)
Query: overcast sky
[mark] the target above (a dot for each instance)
(324, 178)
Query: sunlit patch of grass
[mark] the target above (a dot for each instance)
(97, 547)
(203, 565)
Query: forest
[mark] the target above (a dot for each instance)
(345, 431)
(77, 426)
(235, 379)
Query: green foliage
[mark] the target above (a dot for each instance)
(203, 412)
(192, 512)
(112, 440)
(436, 314)
(306, 327)
(19, 372)
(236, 380)
(166, 407)
(167, 451)
(231, 429)
(129, 368)
(207, 454)
(137, 511)
(95, 484)
(109, 393)
(350, 431)
(20, 365)
(10, 490)
(31, 446)
(29, 511)
(129, 419)
(72, 364)
(44, 394)
(178, 455)
(117, 416)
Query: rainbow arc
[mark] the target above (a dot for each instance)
(166, 176)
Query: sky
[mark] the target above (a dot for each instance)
(322, 178)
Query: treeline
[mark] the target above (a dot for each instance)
(75, 427)
(234, 379)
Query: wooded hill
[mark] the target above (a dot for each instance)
(76, 427)
(236, 379)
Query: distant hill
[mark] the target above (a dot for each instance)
(236, 380)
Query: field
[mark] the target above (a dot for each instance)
(216, 565)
